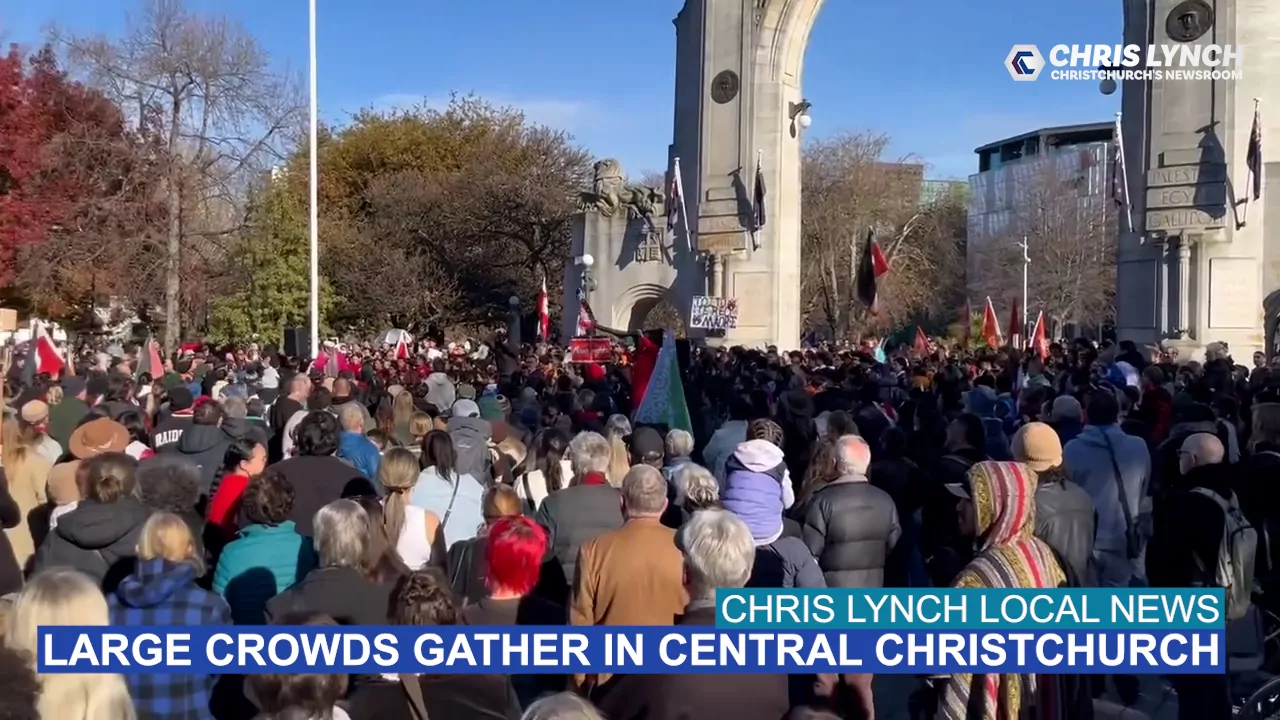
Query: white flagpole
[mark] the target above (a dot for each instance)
(1122, 172)
(684, 215)
(315, 184)
(755, 230)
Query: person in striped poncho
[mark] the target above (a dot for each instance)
(998, 508)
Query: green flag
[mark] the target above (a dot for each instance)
(664, 402)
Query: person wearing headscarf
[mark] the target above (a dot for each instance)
(998, 509)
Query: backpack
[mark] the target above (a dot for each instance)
(1236, 555)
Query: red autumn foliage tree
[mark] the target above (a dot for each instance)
(77, 188)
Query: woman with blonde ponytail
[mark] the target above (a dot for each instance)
(413, 531)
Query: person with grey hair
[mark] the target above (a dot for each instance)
(695, 489)
(679, 448)
(717, 551)
(338, 586)
(562, 706)
(578, 513)
(631, 576)
(850, 525)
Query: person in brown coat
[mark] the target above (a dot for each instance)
(718, 552)
(633, 575)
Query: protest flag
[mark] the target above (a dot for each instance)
(922, 341)
(871, 266)
(990, 326)
(664, 401)
(544, 313)
(1039, 337)
(1015, 326)
(149, 362)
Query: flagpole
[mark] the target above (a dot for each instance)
(315, 193)
(1248, 191)
(1123, 171)
(755, 229)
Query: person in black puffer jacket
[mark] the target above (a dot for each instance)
(850, 525)
(100, 536)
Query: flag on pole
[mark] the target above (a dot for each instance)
(1120, 176)
(1015, 326)
(760, 191)
(586, 318)
(675, 197)
(871, 266)
(921, 341)
(42, 357)
(544, 313)
(664, 401)
(1253, 156)
(402, 348)
(149, 362)
(990, 326)
(1039, 337)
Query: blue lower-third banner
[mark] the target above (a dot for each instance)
(404, 649)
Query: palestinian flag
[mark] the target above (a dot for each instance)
(42, 358)
(664, 402)
(149, 362)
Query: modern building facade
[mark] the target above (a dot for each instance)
(1016, 174)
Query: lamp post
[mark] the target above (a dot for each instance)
(314, 199)
(513, 320)
(799, 115)
(586, 284)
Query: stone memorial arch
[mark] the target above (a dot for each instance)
(738, 103)
(1190, 272)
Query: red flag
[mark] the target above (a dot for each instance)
(586, 318)
(402, 348)
(922, 341)
(1039, 338)
(879, 265)
(544, 313)
(990, 326)
(47, 359)
(1015, 326)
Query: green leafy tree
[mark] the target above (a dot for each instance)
(270, 274)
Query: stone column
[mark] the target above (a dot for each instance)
(1162, 280)
(713, 275)
(1184, 286)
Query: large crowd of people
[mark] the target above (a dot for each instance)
(493, 484)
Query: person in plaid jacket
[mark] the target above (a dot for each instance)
(162, 590)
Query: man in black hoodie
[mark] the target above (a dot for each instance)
(170, 429)
(205, 443)
(1183, 553)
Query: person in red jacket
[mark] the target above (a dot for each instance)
(246, 458)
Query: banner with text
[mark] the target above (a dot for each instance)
(713, 313)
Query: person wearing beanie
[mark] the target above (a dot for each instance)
(65, 415)
(1066, 417)
(1064, 511)
(169, 430)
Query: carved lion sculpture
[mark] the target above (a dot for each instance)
(610, 192)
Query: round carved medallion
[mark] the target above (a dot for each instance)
(724, 87)
(1189, 21)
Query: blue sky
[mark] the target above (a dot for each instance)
(927, 72)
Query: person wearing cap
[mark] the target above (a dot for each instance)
(179, 418)
(67, 413)
(471, 436)
(93, 438)
(1064, 511)
(35, 428)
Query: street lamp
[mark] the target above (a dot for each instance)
(799, 113)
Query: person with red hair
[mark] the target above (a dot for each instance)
(513, 555)
(513, 563)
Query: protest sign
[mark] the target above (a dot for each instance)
(712, 313)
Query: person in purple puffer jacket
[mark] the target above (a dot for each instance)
(758, 489)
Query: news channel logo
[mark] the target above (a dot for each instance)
(1026, 63)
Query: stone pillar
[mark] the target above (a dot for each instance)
(738, 68)
(1185, 143)
(713, 275)
(1184, 287)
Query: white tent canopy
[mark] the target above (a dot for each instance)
(393, 337)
